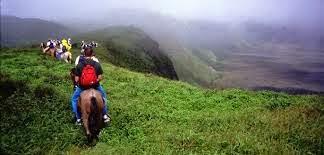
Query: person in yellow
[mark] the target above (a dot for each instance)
(67, 46)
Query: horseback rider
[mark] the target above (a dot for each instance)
(59, 50)
(66, 45)
(81, 58)
(82, 74)
(51, 44)
(83, 46)
(50, 47)
(93, 44)
(62, 53)
(69, 42)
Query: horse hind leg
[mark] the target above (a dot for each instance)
(69, 58)
(85, 118)
(65, 58)
(53, 53)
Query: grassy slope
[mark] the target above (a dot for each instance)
(150, 114)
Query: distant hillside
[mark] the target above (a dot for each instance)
(21, 31)
(132, 48)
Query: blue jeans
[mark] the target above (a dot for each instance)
(58, 55)
(76, 96)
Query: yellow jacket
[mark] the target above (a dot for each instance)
(66, 44)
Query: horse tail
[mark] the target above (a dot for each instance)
(94, 105)
(93, 115)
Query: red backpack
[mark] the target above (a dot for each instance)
(88, 76)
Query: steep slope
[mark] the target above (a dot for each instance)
(130, 47)
(23, 31)
(150, 114)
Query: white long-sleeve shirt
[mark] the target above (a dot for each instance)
(78, 59)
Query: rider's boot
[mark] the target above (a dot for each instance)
(106, 117)
(77, 118)
(78, 122)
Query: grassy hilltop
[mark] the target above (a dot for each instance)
(150, 114)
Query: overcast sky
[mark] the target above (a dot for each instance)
(306, 11)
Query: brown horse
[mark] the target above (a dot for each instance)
(65, 56)
(47, 50)
(91, 105)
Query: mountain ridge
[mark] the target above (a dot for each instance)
(17, 31)
(132, 48)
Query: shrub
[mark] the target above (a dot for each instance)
(278, 102)
(42, 91)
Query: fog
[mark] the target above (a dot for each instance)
(306, 13)
(250, 43)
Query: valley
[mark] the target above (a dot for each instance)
(274, 66)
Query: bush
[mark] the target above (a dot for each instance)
(278, 102)
(9, 86)
(42, 91)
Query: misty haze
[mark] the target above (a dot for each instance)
(214, 44)
(257, 46)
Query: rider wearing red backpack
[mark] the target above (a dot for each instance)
(88, 75)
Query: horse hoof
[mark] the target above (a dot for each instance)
(89, 138)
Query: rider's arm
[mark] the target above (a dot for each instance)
(77, 60)
(95, 59)
(99, 72)
(77, 79)
(99, 78)
(77, 73)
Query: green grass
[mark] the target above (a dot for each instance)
(150, 114)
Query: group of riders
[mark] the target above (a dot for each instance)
(60, 49)
(86, 74)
